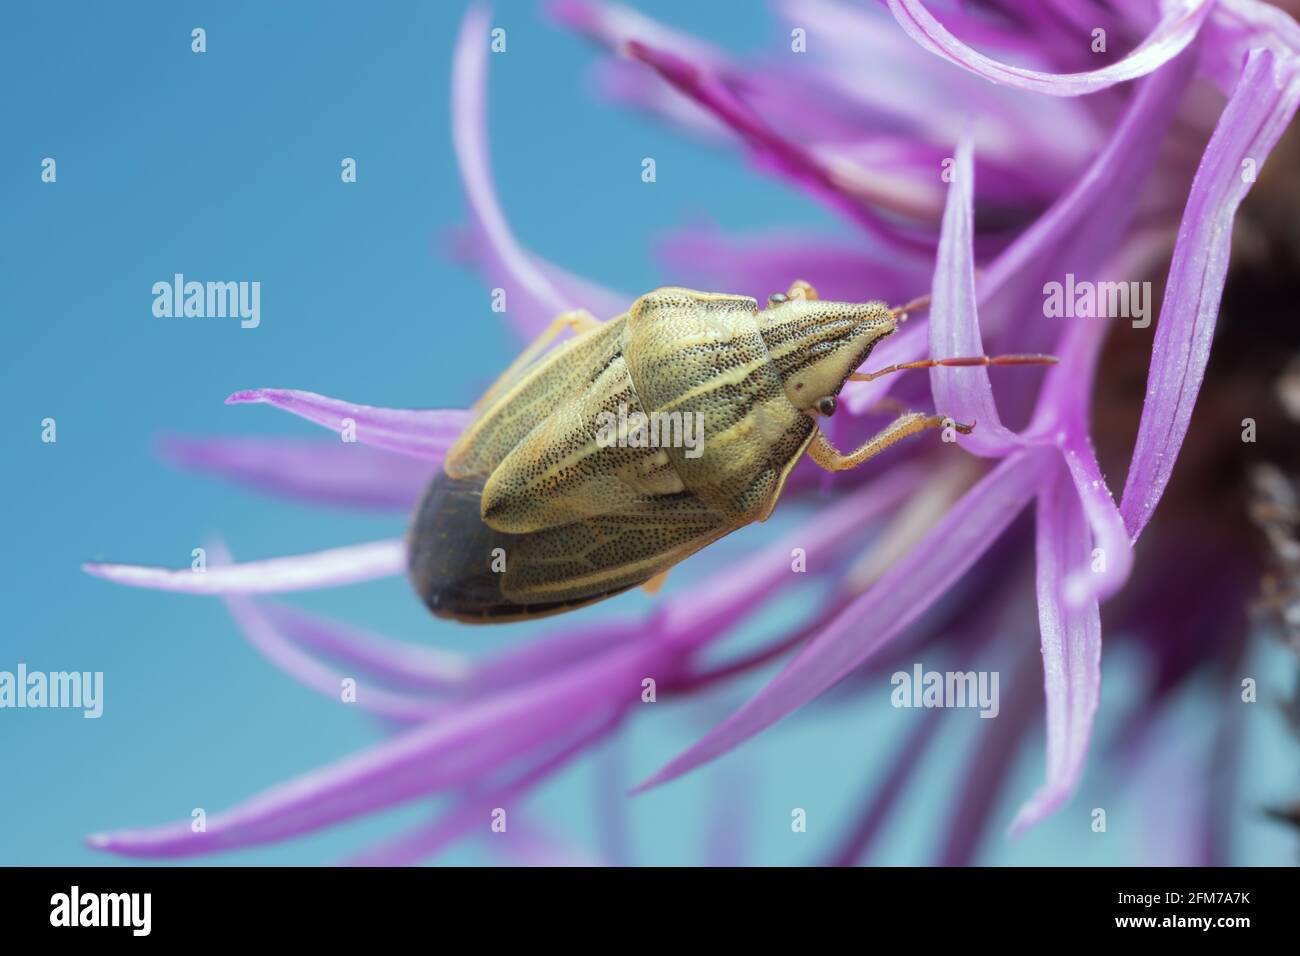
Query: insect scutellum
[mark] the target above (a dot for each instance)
(816, 345)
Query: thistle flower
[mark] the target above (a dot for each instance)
(1052, 167)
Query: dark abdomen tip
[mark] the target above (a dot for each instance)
(450, 554)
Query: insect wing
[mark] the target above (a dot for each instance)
(530, 397)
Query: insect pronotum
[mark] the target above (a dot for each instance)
(537, 510)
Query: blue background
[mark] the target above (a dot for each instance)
(226, 166)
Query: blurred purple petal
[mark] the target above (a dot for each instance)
(726, 597)
(1171, 769)
(1260, 109)
(452, 752)
(304, 572)
(474, 810)
(1176, 29)
(886, 788)
(417, 433)
(775, 151)
(1081, 234)
(1028, 144)
(535, 295)
(612, 25)
(396, 662)
(262, 634)
(306, 469)
(549, 654)
(613, 826)
(988, 764)
(996, 617)
(534, 845)
(758, 265)
(870, 96)
(601, 302)
(900, 597)
(782, 95)
(411, 847)
(1071, 647)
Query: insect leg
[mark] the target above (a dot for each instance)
(901, 312)
(799, 289)
(959, 362)
(654, 585)
(828, 457)
(580, 320)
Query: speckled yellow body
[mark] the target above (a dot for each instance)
(535, 514)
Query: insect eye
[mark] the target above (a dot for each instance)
(776, 298)
(826, 406)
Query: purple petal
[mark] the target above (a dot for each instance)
(457, 751)
(1238, 26)
(855, 51)
(900, 597)
(1071, 647)
(705, 611)
(613, 828)
(534, 295)
(322, 569)
(262, 634)
(1080, 231)
(989, 763)
(1259, 110)
(964, 394)
(612, 25)
(995, 618)
(532, 845)
(548, 655)
(628, 83)
(1171, 772)
(422, 842)
(315, 470)
(887, 787)
(1084, 584)
(396, 662)
(1176, 29)
(757, 265)
(474, 810)
(473, 246)
(729, 819)
(419, 433)
(867, 86)
(776, 151)
(1062, 419)
(601, 302)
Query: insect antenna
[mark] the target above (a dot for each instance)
(958, 362)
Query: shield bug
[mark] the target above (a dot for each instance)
(564, 491)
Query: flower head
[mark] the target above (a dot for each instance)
(978, 152)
